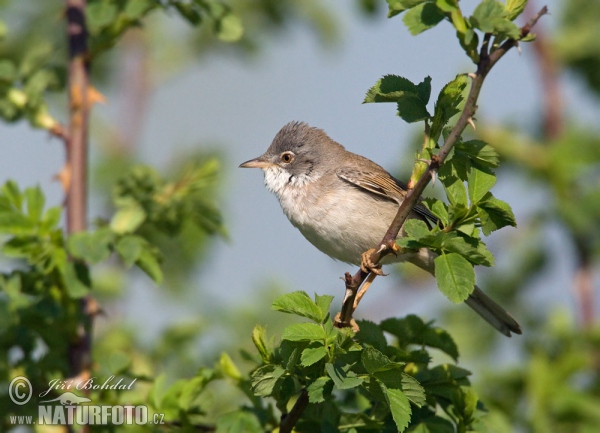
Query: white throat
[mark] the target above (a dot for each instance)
(292, 192)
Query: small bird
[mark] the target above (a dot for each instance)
(343, 204)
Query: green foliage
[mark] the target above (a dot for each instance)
(360, 380)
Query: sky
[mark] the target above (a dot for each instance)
(239, 106)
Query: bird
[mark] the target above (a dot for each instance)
(343, 204)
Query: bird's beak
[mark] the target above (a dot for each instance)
(259, 162)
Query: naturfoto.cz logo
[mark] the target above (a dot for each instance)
(70, 408)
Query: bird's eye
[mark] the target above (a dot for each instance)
(287, 157)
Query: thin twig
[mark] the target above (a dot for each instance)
(486, 62)
(288, 421)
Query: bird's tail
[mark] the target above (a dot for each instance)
(483, 305)
(493, 313)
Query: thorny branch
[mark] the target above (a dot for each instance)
(486, 61)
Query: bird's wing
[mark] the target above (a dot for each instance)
(383, 184)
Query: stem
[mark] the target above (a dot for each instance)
(486, 62)
(289, 420)
(76, 141)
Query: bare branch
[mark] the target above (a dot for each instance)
(288, 421)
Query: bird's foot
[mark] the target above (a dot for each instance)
(367, 265)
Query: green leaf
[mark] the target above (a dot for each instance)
(91, 247)
(311, 355)
(399, 406)
(433, 424)
(450, 176)
(300, 304)
(455, 276)
(319, 389)
(130, 248)
(479, 152)
(490, 17)
(371, 334)
(239, 421)
(136, 9)
(514, 8)
(480, 181)
(303, 332)
(128, 218)
(8, 71)
(324, 303)
(230, 28)
(448, 104)
(438, 208)
(259, 335)
(423, 17)
(228, 367)
(472, 249)
(413, 390)
(190, 391)
(494, 214)
(100, 15)
(265, 378)
(341, 378)
(399, 6)
(412, 109)
(373, 360)
(412, 330)
(424, 89)
(76, 280)
(149, 262)
(390, 88)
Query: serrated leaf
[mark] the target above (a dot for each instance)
(455, 189)
(422, 17)
(300, 304)
(265, 378)
(413, 390)
(480, 181)
(490, 17)
(303, 332)
(371, 334)
(470, 248)
(341, 378)
(448, 104)
(311, 355)
(399, 6)
(389, 89)
(479, 152)
(319, 389)
(258, 338)
(324, 303)
(455, 276)
(399, 406)
(412, 330)
(412, 109)
(494, 214)
(373, 360)
(424, 89)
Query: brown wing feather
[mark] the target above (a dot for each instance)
(383, 184)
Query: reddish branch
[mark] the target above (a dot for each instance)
(486, 61)
(76, 140)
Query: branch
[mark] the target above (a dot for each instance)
(76, 140)
(289, 420)
(386, 246)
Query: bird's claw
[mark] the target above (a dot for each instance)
(367, 265)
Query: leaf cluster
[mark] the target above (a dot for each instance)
(491, 17)
(360, 382)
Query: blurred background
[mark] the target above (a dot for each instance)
(175, 93)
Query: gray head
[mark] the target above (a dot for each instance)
(299, 151)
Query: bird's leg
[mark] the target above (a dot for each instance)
(363, 289)
(367, 265)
